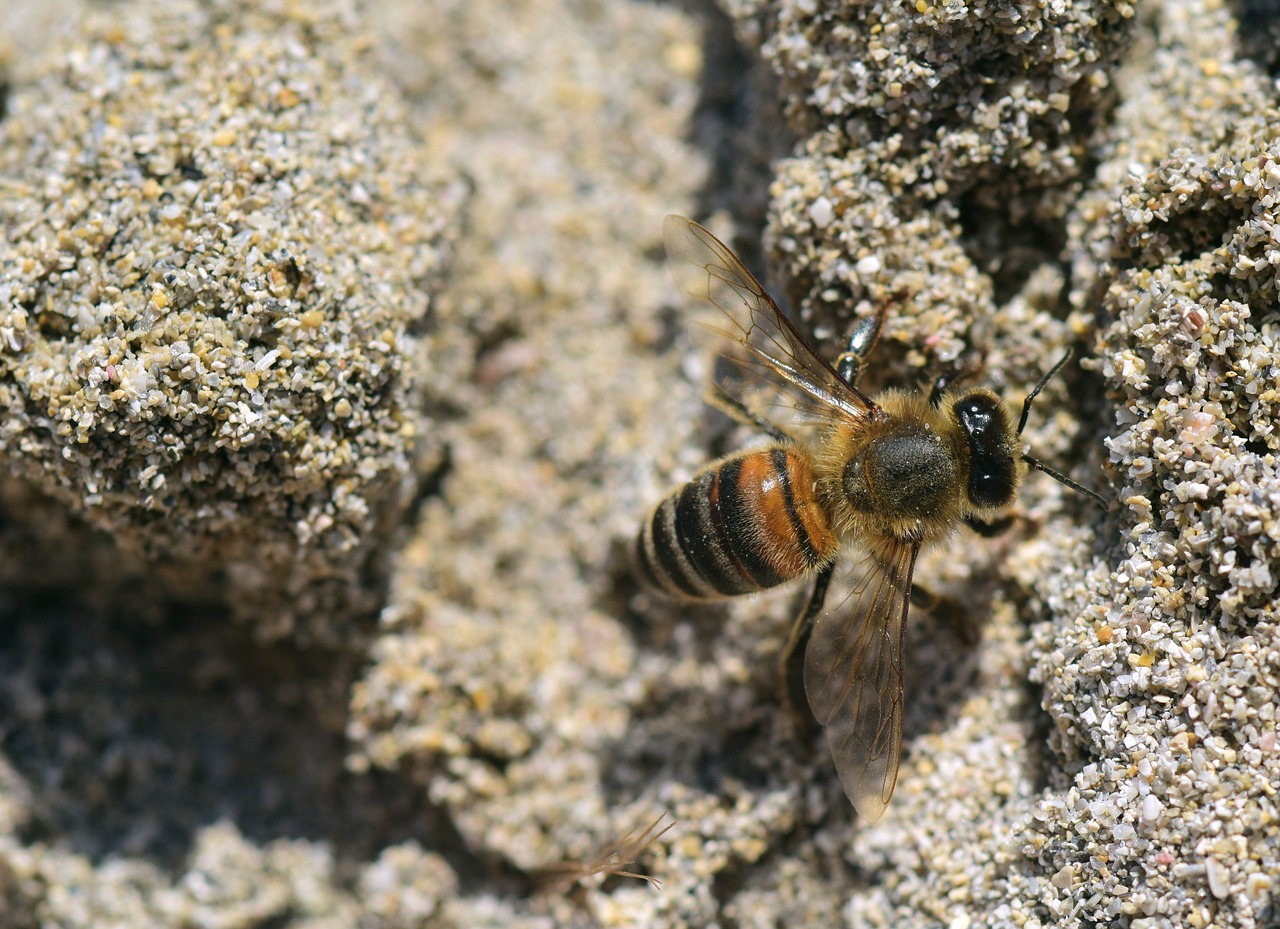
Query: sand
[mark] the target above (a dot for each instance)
(339, 367)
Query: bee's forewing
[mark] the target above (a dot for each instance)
(853, 677)
(765, 364)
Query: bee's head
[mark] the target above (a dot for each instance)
(994, 473)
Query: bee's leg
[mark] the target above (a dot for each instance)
(791, 661)
(948, 611)
(944, 381)
(939, 388)
(862, 339)
(734, 409)
(989, 529)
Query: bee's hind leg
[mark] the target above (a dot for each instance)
(791, 661)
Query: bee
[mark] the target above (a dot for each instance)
(888, 476)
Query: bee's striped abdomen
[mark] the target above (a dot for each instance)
(750, 522)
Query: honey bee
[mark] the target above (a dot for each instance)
(887, 476)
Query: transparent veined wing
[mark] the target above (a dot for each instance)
(765, 364)
(853, 677)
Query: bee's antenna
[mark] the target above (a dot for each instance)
(1066, 481)
(1035, 391)
(1056, 475)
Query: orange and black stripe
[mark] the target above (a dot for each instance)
(748, 523)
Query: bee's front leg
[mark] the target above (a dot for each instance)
(989, 530)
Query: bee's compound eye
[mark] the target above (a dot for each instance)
(977, 414)
(993, 472)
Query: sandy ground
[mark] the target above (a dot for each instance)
(340, 366)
